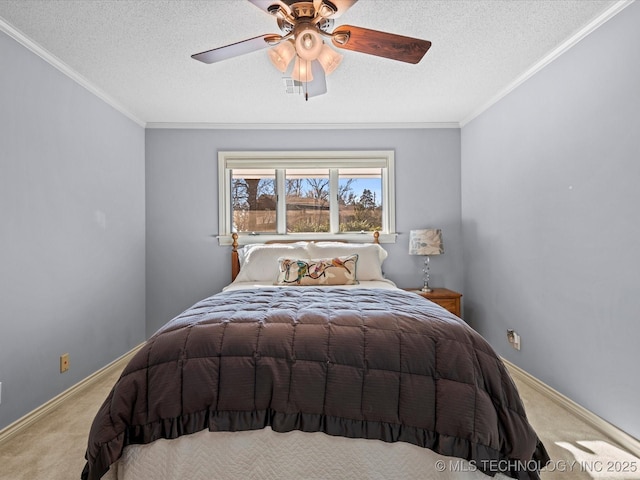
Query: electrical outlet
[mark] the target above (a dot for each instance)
(513, 338)
(64, 362)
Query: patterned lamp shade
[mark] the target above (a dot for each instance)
(426, 242)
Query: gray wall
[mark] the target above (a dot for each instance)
(71, 231)
(547, 201)
(550, 195)
(184, 261)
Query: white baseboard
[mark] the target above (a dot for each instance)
(22, 423)
(622, 438)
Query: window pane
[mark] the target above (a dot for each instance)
(307, 199)
(360, 199)
(335, 193)
(253, 200)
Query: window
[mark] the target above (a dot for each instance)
(271, 195)
(307, 200)
(253, 200)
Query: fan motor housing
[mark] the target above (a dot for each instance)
(302, 12)
(303, 9)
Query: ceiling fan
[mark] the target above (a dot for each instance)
(304, 23)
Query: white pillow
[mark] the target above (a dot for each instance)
(370, 256)
(259, 262)
(244, 251)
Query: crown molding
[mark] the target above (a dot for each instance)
(50, 58)
(67, 70)
(299, 126)
(562, 48)
(75, 76)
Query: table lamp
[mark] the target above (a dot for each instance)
(426, 242)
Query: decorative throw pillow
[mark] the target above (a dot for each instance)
(370, 256)
(322, 271)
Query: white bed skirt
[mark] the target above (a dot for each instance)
(268, 455)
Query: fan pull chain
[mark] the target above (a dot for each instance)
(306, 82)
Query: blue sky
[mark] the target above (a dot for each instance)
(372, 184)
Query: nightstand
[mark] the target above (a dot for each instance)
(446, 298)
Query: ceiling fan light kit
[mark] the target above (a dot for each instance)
(308, 42)
(282, 54)
(303, 24)
(302, 71)
(329, 59)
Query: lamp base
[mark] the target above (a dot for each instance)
(425, 288)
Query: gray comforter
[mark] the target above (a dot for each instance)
(363, 363)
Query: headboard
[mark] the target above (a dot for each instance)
(235, 261)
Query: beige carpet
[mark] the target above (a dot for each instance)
(53, 447)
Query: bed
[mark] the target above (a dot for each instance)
(311, 364)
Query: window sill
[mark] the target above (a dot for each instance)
(367, 237)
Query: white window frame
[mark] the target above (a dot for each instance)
(228, 160)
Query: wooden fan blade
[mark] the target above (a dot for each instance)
(382, 44)
(319, 84)
(341, 6)
(236, 49)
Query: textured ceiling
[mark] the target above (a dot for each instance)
(136, 53)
